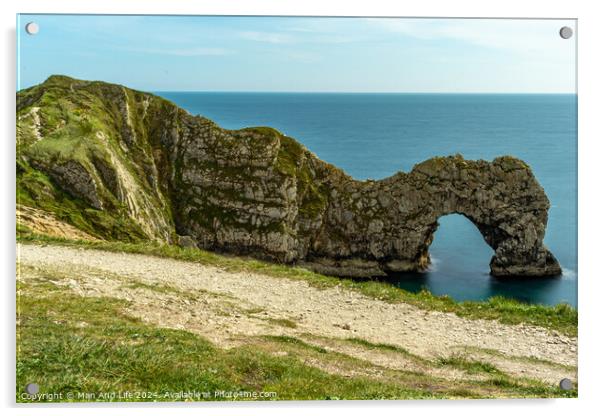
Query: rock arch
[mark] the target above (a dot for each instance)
(394, 220)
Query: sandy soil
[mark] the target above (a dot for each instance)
(43, 222)
(229, 307)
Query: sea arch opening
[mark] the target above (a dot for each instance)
(459, 261)
(459, 246)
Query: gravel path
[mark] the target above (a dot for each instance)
(226, 307)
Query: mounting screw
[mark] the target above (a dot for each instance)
(32, 388)
(32, 28)
(566, 32)
(566, 384)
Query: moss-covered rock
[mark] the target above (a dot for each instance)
(122, 164)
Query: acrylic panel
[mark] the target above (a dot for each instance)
(295, 208)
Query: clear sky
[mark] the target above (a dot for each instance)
(176, 53)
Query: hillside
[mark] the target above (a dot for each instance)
(102, 321)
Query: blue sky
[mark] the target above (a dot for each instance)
(177, 53)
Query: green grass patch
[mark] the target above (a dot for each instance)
(379, 346)
(168, 290)
(468, 365)
(524, 359)
(285, 339)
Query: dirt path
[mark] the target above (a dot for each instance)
(229, 307)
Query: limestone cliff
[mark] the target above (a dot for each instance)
(122, 164)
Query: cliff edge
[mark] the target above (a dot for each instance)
(126, 165)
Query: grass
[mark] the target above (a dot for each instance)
(527, 360)
(459, 362)
(155, 288)
(288, 340)
(562, 318)
(85, 346)
(469, 366)
(165, 289)
(379, 346)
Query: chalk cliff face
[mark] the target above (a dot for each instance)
(122, 164)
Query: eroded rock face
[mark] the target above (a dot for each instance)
(258, 192)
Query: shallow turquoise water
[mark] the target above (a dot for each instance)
(376, 135)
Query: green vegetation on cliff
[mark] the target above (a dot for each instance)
(35, 189)
(81, 146)
(293, 160)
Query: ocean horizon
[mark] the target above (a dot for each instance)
(160, 92)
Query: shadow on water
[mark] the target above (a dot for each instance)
(525, 289)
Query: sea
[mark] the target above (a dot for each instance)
(374, 135)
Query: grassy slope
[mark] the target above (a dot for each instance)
(68, 343)
(35, 189)
(562, 318)
(81, 122)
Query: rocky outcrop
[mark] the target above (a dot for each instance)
(256, 191)
(393, 221)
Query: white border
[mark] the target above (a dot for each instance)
(590, 288)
